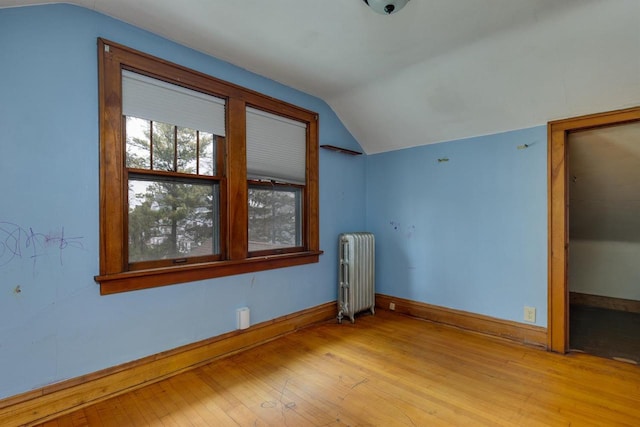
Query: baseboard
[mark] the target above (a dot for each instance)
(519, 332)
(52, 401)
(600, 301)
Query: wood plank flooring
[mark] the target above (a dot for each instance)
(384, 370)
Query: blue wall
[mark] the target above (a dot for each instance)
(470, 233)
(53, 322)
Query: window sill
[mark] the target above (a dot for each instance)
(144, 279)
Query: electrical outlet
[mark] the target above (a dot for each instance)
(392, 306)
(529, 314)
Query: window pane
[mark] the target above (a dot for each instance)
(163, 146)
(137, 141)
(208, 154)
(172, 219)
(187, 150)
(274, 217)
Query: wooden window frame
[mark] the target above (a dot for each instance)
(115, 275)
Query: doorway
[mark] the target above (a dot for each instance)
(604, 241)
(558, 180)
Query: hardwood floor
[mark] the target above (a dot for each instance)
(384, 370)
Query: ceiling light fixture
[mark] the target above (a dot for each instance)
(386, 7)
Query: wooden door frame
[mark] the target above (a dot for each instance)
(558, 232)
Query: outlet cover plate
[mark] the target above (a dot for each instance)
(530, 314)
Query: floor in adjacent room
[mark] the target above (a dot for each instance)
(604, 332)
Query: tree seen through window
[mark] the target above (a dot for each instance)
(170, 216)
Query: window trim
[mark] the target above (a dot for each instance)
(115, 275)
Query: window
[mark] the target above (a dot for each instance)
(199, 178)
(275, 211)
(172, 139)
(276, 165)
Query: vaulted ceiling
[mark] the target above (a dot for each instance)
(435, 71)
(604, 173)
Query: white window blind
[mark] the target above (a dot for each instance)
(153, 99)
(276, 147)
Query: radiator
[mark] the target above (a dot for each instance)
(356, 271)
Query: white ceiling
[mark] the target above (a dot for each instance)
(435, 71)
